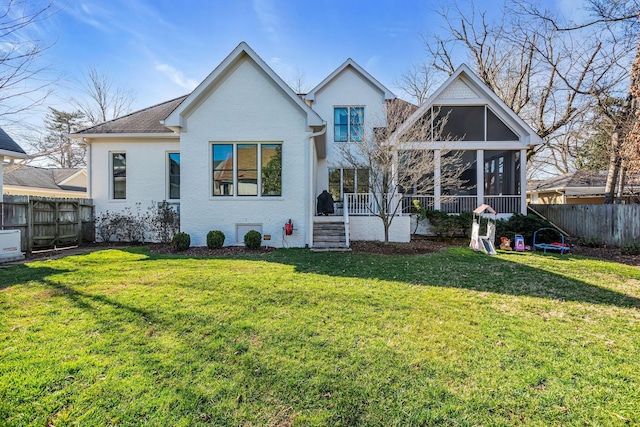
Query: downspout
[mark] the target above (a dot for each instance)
(89, 174)
(311, 198)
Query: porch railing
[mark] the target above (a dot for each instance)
(459, 204)
(358, 204)
(365, 204)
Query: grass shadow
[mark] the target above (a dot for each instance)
(24, 273)
(459, 268)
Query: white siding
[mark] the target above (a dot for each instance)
(245, 106)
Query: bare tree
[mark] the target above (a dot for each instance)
(616, 22)
(21, 84)
(547, 76)
(399, 161)
(298, 82)
(56, 147)
(103, 101)
(417, 82)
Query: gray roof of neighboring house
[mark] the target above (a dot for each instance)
(577, 179)
(142, 121)
(7, 143)
(34, 177)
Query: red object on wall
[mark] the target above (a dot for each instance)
(288, 228)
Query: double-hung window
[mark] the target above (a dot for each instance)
(247, 169)
(119, 176)
(348, 124)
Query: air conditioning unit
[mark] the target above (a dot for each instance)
(10, 246)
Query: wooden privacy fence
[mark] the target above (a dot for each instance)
(47, 222)
(614, 225)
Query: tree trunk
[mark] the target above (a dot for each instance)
(622, 177)
(614, 168)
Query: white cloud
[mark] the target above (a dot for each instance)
(176, 76)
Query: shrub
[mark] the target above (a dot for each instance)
(215, 239)
(630, 249)
(165, 221)
(181, 241)
(525, 225)
(591, 242)
(253, 239)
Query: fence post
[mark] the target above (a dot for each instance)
(29, 224)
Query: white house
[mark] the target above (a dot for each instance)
(243, 151)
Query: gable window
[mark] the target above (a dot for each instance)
(348, 124)
(174, 176)
(236, 169)
(119, 175)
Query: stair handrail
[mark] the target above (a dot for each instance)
(345, 213)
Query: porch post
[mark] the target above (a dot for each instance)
(437, 191)
(480, 176)
(523, 182)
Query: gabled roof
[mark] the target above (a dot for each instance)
(8, 147)
(174, 120)
(34, 177)
(350, 63)
(143, 121)
(473, 83)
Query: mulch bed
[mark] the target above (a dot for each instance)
(417, 246)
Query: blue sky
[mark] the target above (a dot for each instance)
(161, 49)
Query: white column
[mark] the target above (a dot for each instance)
(1, 176)
(480, 176)
(437, 190)
(523, 182)
(1, 192)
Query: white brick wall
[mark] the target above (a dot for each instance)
(371, 228)
(245, 107)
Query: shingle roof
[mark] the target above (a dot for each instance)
(143, 121)
(7, 143)
(34, 177)
(578, 179)
(582, 178)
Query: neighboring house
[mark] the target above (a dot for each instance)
(580, 187)
(9, 151)
(47, 182)
(243, 151)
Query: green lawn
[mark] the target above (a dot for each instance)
(297, 338)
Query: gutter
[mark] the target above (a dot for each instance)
(310, 198)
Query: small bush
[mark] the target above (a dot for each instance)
(181, 241)
(631, 249)
(215, 239)
(253, 239)
(525, 225)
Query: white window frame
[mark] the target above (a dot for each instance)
(112, 177)
(348, 107)
(168, 173)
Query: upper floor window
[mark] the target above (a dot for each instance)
(247, 169)
(348, 124)
(174, 176)
(119, 175)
